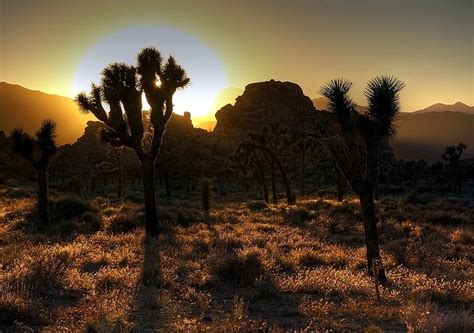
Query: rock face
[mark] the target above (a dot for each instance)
(267, 102)
(89, 150)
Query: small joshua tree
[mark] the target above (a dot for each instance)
(206, 198)
(126, 125)
(266, 142)
(38, 152)
(357, 144)
(453, 155)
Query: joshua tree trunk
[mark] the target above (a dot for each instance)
(43, 209)
(340, 185)
(274, 189)
(167, 185)
(151, 223)
(303, 178)
(377, 190)
(120, 179)
(262, 178)
(286, 183)
(371, 236)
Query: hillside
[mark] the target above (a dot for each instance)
(456, 107)
(426, 135)
(24, 108)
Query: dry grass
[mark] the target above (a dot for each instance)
(254, 267)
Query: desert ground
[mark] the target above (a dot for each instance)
(250, 267)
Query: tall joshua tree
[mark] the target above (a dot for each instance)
(356, 146)
(38, 152)
(453, 155)
(121, 88)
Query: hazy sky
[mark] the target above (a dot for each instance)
(428, 44)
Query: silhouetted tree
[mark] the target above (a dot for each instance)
(206, 198)
(38, 152)
(121, 88)
(266, 142)
(305, 149)
(453, 155)
(116, 155)
(340, 185)
(356, 146)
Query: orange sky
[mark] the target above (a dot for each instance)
(428, 44)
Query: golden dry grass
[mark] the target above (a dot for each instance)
(274, 268)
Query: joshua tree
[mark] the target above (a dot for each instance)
(116, 155)
(38, 152)
(206, 198)
(305, 149)
(126, 125)
(453, 155)
(356, 145)
(267, 143)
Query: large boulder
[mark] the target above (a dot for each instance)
(264, 103)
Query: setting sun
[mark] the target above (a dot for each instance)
(206, 71)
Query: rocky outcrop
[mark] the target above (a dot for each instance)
(269, 102)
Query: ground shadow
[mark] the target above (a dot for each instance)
(147, 314)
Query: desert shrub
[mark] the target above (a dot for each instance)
(135, 197)
(425, 317)
(103, 324)
(461, 236)
(393, 189)
(256, 205)
(241, 268)
(415, 197)
(70, 227)
(447, 217)
(18, 193)
(326, 193)
(165, 214)
(124, 222)
(296, 215)
(70, 207)
(14, 309)
(186, 218)
(308, 258)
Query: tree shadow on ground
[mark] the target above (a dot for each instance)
(147, 313)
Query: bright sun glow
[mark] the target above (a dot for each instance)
(206, 71)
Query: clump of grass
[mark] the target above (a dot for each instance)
(186, 218)
(104, 324)
(447, 217)
(296, 215)
(73, 215)
(124, 222)
(15, 309)
(69, 207)
(415, 197)
(461, 236)
(241, 268)
(256, 205)
(425, 317)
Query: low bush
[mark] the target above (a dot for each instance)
(447, 217)
(256, 205)
(415, 197)
(241, 268)
(296, 215)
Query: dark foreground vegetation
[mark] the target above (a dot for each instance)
(250, 265)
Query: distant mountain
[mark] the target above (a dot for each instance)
(440, 107)
(426, 135)
(321, 103)
(24, 108)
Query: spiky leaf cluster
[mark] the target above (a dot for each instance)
(38, 149)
